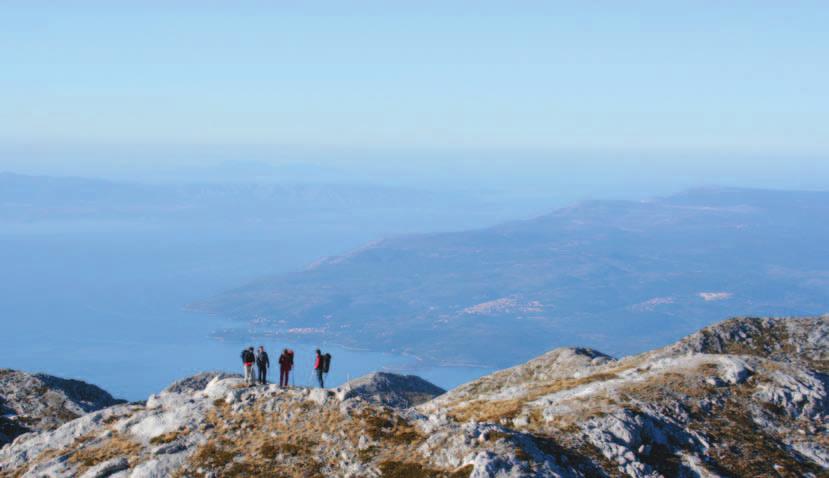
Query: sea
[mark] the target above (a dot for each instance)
(107, 302)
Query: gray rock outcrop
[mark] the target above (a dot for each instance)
(394, 390)
(748, 397)
(198, 382)
(38, 402)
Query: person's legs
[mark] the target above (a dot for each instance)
(283, 377)
(319, 378)
(249, 374)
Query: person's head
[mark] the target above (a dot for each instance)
(285, 351)
(250, 348)
(318, 352)
(262, 348)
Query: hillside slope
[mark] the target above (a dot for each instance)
(746, 397)
(594, 274)
(38, 402)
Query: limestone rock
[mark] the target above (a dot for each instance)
(394, 390)
(38, 402)
(747, 397)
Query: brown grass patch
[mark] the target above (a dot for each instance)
(113, 418)
(389, 427)
(398, 469)
(367, 454)
(741, 448)
(168, 437)
(292, 443)
(255, 443)
(116, 446)
(495, 410)
(213, 456)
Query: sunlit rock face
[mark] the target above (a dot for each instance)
(746, 397)
(38, 402)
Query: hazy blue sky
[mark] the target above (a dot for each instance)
(744, 76)
(733, 76)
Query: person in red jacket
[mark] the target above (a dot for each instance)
(286, 363)
(318, 367)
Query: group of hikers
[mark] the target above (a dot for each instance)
(322, 363)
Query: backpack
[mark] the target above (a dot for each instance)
(286, 360)
(326, 362)
(247, 356)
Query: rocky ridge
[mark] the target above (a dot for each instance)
(746, 397)
(38, 402)
(398, 391)
(198, 382)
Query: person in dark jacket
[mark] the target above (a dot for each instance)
(263, 363)
(247, 359)
(318, 367)
(286, 363)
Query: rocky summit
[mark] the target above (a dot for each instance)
(746, 397)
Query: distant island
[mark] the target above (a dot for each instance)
(620, 276)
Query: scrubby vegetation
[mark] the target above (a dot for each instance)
(676, 411)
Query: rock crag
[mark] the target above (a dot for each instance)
(746, 397)
(38, 402)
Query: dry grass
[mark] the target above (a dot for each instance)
(388, 427)
(54, 453)
(113, 418)
(496, 410)
(398, 469)
(168, 437)
(213, 455)
(671, 384)
(591, 407)
(291, 442)
(116, 446)
(741, 448)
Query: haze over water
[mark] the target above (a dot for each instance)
(250, 140)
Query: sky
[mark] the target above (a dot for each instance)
(668, 78)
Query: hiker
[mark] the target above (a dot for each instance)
(263, 363)
(286, 363)
(319, 366)
(248, 358)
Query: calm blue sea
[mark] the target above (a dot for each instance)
(105, 303)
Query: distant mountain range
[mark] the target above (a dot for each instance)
(620, 276)
(30, 198)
